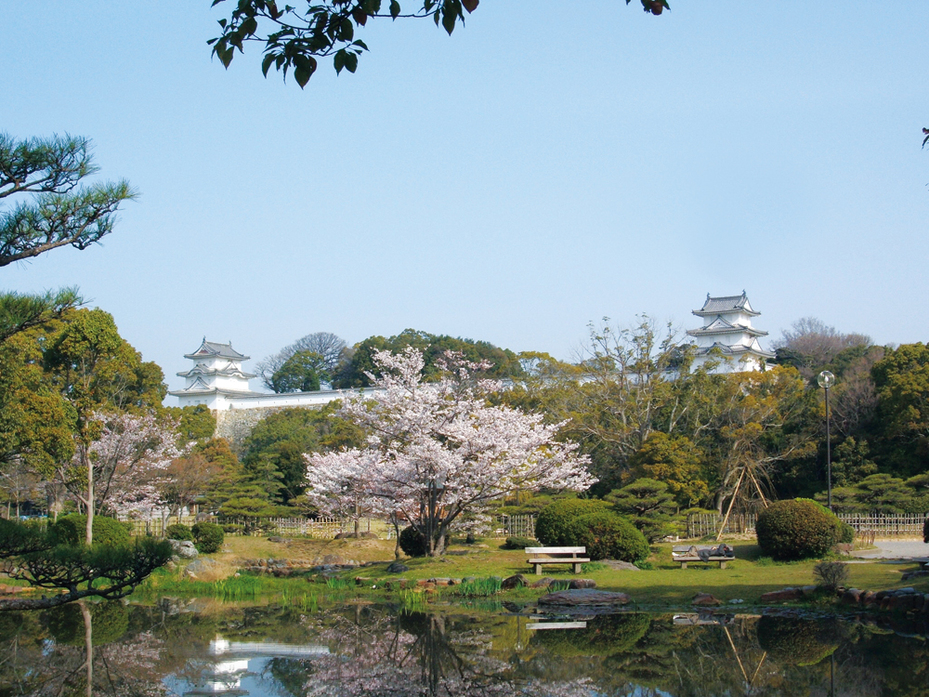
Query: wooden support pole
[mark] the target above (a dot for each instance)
(729, 510)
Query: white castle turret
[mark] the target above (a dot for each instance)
(727, 327)
(218, 381)
(216, 376)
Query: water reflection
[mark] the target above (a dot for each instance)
(204, 648)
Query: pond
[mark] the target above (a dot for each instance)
(203, 647)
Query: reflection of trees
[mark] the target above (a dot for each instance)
(74, 650)
(376, 652)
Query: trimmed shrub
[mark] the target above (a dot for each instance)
(71, 530)
(519, 543)
(797, 529)
(551, 527)
(179, 532)
(208, 537)
(926, 530)
(412, 542)
(845, 532)
(607, 536)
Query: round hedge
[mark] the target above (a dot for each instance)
(208, 537)
(519, 543)
(845, 532)
(72, 530)
(551, 527)
(607, 535)
(413, 542)
(797, 529)
(179, 532)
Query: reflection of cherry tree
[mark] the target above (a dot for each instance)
(437, 450)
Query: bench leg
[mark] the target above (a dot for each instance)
(538, 569)
(577, 568)
(722, 565)
(683, 564)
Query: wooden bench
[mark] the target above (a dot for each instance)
(557, 555)
(703, 553)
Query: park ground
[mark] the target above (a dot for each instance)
(664, 585)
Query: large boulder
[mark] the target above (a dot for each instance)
(183, 549)
(203, 570)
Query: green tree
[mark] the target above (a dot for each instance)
(95, 369)
(879, 493)
(36, 426)
(295, 37)
(648, 504)
(330, 347)
(301, 372)
(627, 395)
(354, 371)
(274, 450)
(61, 212)
(195, 423)
(105, 571)
(850, 462)
(677, 462)
(764, 420)
(902, 382)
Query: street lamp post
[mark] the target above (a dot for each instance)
(826, 380)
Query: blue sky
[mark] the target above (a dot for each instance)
(548, 165)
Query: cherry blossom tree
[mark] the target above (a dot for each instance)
(438, 449)
(121, 468)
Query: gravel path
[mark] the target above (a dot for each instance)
(895, 549)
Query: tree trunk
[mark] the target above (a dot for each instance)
(90, 503)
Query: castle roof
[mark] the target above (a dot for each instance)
(734, 350)
(725, 303)
(721, 325)
(212, 348)
(225, 372)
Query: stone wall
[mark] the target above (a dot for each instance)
(235, 425)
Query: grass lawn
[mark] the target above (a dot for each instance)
(665, 585)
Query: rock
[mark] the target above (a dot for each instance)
(442, 582)
(781, 596)
(736, 601)
(517, 581)
(200, 568)
(868, 598)
(397, 568)
(183, 549)
(584, 597)
(332, 559)
(543, 583)
(277, 540)
(852, 596)
(577, 583)
(619, 565)
(705, 600)
(353, 536)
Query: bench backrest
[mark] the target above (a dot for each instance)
(555, 550)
